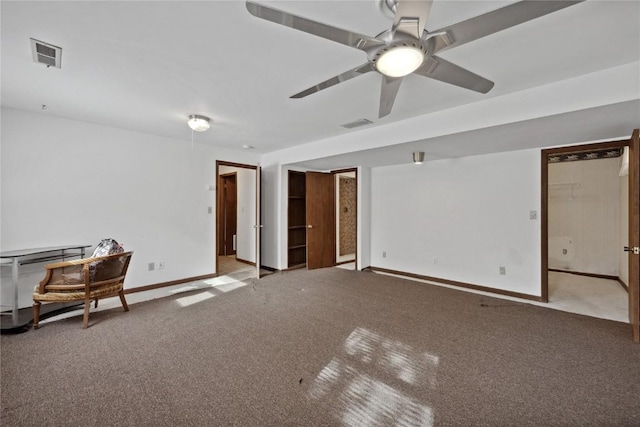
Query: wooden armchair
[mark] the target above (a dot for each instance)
(82, 280)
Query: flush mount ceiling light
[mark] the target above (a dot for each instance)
(400, 61)
(198, 123)
(418, 157)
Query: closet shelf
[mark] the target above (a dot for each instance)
(564, 185)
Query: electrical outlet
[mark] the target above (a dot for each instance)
(152, 266)
(503, 271)
(160, 265)
(384, 254)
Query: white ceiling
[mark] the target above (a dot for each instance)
(146, 66)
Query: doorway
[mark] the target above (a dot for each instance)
(237, 220)
(583, 200)
(313, 219)
(228, 218)
(346, 218)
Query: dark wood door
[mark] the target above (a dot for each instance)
(321, 218)
(634, 235)
(228, 214)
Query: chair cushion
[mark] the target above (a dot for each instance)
(112, 288)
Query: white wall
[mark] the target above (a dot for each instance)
(611, 86)
(246, 213)
(70, 182)
(460, 219)
(584, 219)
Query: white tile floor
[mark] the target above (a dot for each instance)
(590, 296)
(595, 297)
(348, 266)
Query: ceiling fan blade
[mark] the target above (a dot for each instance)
(497, 20)
(440, 69)
(411, 16)
(347, 75)
(359, 41)
(388, 93)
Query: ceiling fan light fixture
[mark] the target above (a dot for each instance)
(198, 123)
(400, 61)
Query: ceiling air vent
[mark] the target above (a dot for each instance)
(45, 53)
(359, 122)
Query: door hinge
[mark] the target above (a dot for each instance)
(635, 250)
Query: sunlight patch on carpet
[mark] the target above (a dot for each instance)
(221, 282)
(361, 379)
(217, 284)
(395, 357)
(194, 299)
(230, 286)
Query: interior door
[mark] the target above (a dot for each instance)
(320, 207)
(258, 226)
(634, 235)
(229, 217)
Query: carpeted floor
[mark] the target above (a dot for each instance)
(324, 347)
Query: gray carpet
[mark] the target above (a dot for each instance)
(324, 347)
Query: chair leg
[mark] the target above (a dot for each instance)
(122, 300)
(36, 315)
(87, 306)
(96, 306)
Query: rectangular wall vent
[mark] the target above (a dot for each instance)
(45, 53)
(359, 122)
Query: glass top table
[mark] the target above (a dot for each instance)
(19, 257)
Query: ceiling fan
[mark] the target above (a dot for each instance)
(408, 48)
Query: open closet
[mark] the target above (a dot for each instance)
(317, 211)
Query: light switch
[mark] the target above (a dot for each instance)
(533, 214)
